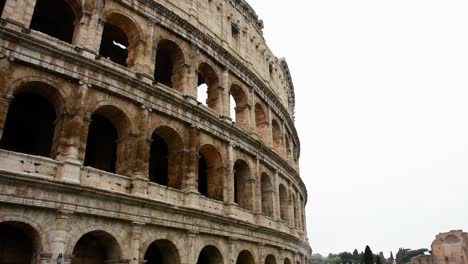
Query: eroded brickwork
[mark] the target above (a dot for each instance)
(107, 154)
(450, 247)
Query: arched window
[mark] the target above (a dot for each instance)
(267, 195)
(241, 106)
(270, 259)
(210, 173)
(29, 126)
(245, 257)
(208, 84)
(287, 261)
(277, 137)
(210, 255)
(54, 18)
(166, 157)
(158, 160)
(101, 148)
(169, 68)
(163, 252)
(96, 247)
(243, 185)
(261, 122)
(19, 243)
(114, 44)
(284, 203)
(120, 40)
(2, 6)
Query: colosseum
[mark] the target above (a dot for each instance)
(146, 131)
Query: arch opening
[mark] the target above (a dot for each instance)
(240, 106)
(96, 247)
(261, 123)
(267, 195)
(166, 155)
(277, 137)
(101, 147)
(208, 92)
(284, 208)
(19, 243)
(210, 255)
(245, 257)
(243, 185)
(270, 259)
(54, 18)
(169, 69)
(287, 261)
(114, 44)
(210, 173)
(29, 126)
(2, 6)
(162, 252)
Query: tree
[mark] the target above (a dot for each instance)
(391, 257)
(368, 256)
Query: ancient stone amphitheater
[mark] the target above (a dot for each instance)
(146, 131)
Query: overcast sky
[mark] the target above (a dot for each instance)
(382, 114)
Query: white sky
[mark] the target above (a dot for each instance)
(382, 113)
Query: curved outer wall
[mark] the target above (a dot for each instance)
(130, 160)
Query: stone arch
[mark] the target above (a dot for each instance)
(106, 147)
(57, 18)
(210, 255)
(96, 247)
(162, 251)
(270, 259)
(245, 257)
(284, 203)
(35, 106)
(207, 76)
(124, 30)
(20, 242)
(166, 155)
(242, 107)
(287, 261)
(261, 122)
(170, 62)
(210, 172)
(267, 194)
(277, 137)
(243, 193)
(78, 232)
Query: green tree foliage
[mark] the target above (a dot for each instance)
(368, 256)
(404, 255)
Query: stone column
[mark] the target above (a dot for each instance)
(135, 243)
(60, 237)
(225, 112)
(141, 154)
(191, 161)
(20, 12)
(269, 139)
(4, 106)
(191, 256)
(276, 198)
(88, 34)
(257, 192)
(251, 100)
(229, 181)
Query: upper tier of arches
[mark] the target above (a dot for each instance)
(121, 36)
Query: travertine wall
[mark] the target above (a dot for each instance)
(450, 247)
(253, 209)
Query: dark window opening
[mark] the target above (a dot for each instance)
(101, 148)
(2, 5)
(159, 163)
(236, 188)
(164, 67)
(161, 252)
(235, 32)
(270, 68)
(89, 249)
(16, 245)
(114, 44)
(210, 255)
(29, 126)
(54, 18)
(202, 176)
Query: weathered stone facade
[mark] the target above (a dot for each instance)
(447, 248)
(106, 155)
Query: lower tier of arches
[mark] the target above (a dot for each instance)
(39, 236)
